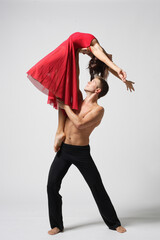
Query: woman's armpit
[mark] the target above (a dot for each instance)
(94, 40)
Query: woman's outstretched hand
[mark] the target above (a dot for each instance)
(129, 85)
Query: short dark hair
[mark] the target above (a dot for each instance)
(103, 85)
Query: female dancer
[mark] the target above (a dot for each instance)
(57, 73)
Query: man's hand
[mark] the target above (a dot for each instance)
(61, 104)
(93, 117)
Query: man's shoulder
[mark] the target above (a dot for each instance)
(98, 111)
(99, 108)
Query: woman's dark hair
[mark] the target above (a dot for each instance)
(104, 87)
(97, 67)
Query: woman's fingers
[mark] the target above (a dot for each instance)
(129, 85)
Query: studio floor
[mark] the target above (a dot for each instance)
(31, 222)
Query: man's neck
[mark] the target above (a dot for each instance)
(91, 98)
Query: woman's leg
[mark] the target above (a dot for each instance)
(61, 120)
(60, 135)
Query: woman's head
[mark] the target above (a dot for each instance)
(86, 51)
(97, 67)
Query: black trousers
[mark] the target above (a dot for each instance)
(81, 158)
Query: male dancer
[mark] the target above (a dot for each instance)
(76, 149)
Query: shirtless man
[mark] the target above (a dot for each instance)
(75, 149)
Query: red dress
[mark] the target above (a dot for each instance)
(55, 74)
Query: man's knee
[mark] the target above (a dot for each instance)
(53, 185)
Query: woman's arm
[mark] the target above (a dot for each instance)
(101, 54)
(114, 73)
(110, 69)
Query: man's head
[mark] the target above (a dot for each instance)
(97, 85)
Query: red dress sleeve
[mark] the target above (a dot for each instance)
(55, 74)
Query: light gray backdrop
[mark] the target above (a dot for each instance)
(125, 147)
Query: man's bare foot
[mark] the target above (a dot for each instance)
(53, 231)
(121, 229)
(58, 140)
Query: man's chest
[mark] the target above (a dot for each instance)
(83, 110)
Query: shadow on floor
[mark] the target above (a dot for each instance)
(138, 217)
(142, 216)
(83, 225)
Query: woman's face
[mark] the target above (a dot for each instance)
(86, 51)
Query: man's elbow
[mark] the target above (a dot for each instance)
(79, 125)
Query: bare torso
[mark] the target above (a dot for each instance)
(75, 136)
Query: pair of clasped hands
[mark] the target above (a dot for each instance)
(122, 74)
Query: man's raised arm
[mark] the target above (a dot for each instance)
(94, 116)
(90, 118)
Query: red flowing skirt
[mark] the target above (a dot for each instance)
(55, 74)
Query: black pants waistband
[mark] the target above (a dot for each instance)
(74, 147)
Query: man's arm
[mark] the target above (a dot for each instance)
(88, 120)
(91, 118)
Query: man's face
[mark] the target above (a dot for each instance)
(93, 86)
